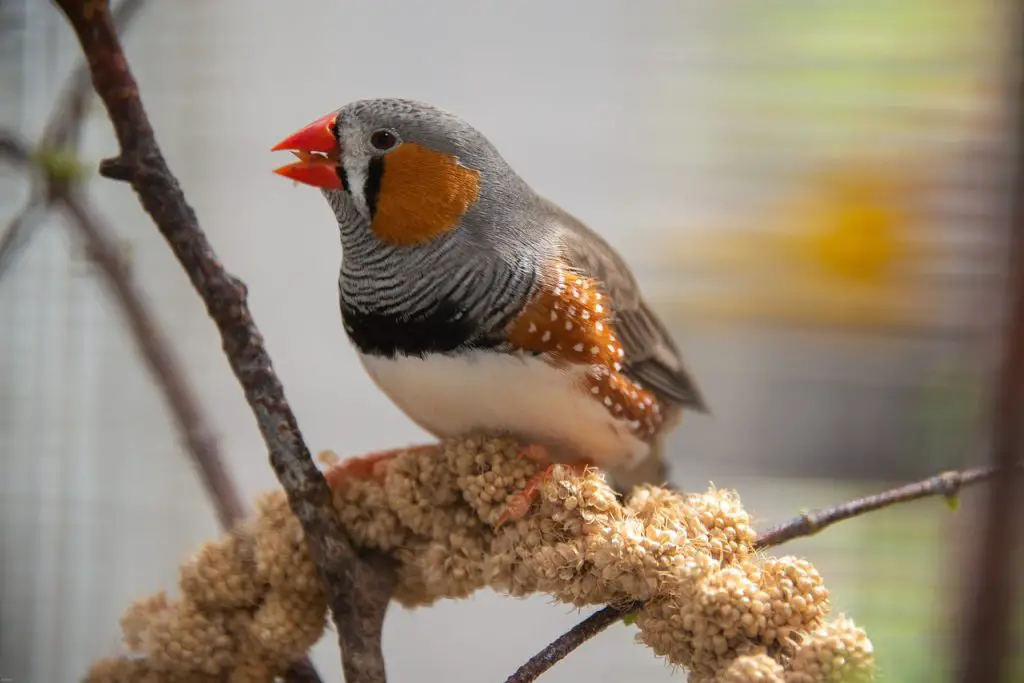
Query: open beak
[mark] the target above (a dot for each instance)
(319, 155)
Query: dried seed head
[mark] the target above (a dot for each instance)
(759, 668)
(251, 602)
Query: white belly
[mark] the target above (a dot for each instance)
(519, 395)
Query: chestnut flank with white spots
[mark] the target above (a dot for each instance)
(569, 322)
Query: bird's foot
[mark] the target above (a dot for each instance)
(372, 466)
(522, 501)
(534, 452)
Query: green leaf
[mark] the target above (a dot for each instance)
(629, 619)
(953, 502)
(60, 164)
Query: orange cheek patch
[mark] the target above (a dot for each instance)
(570, 320)
(423, 194)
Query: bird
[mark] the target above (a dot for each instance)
(477, 305)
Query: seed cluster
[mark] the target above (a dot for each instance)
(250, 603)
(570, 320)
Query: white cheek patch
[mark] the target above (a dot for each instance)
(356, 161)
(355, 174)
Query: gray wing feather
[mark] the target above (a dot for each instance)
(652, 358)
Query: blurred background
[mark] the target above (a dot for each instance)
(814, 195)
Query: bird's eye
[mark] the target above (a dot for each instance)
(383, 140)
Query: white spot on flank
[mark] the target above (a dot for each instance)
(598, 308)
(607, 401)
(554, 316)
(599, 327)
(578, 348)
(533, 328)
(597, 296)
(546, 336)
(595, 350)
(585, 315)
(576, 292)
(568, 324)
(595, 389)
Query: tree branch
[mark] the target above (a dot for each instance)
(569, 641)
(947, 484)
(157, 353)
(354, 585)
(64, 131)
(62, 135)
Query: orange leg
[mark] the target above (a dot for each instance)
(521, 503)
(368, 466)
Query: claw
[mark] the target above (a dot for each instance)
(521, 502)
(535, 453)
(372, 466)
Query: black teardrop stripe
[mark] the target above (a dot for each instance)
(371, 188)
(442, 329)
(343, 176)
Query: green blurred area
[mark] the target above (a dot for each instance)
(895, 571)
(853, 66)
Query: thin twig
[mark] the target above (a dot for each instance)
(158, 356)
(61, 134)
(990, 603)
(947, 484)
(101, 246)
(569, 641)
(346, 576)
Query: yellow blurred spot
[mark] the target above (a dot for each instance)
(851, 227)
(838, 251)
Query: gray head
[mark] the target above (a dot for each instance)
(411, 173)
(434, 224)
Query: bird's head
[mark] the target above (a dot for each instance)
(411, 171)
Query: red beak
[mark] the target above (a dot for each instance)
(319, 154)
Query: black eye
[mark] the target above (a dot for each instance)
(383, 140)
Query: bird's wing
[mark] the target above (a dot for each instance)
(651, 357)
